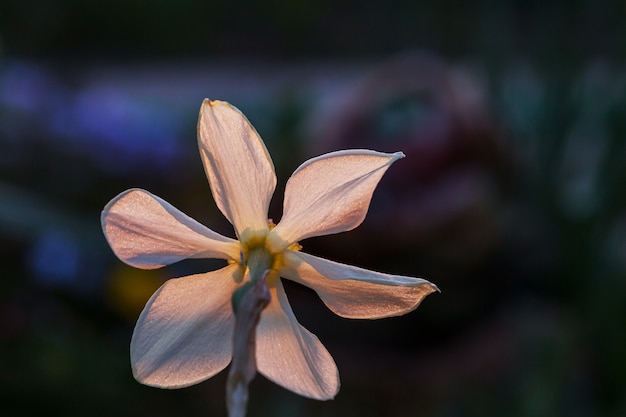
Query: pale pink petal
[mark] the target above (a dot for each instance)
(237, 164)
(290, 355)
(330, 194)
(184, 334)
(353, 292)
(147, 232)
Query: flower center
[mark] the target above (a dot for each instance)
(258, 255)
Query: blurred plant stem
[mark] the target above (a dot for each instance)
(243, 367)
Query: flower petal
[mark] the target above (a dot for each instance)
(290, 355)
(354, 292)
(184, 334)
(330, 194)
(237, 164)
(147, 232)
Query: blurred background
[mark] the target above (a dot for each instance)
(512, 115)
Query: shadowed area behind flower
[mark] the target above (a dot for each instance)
(508, 198)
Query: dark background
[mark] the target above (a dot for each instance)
(512, 116)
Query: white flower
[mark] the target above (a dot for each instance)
(184, 334)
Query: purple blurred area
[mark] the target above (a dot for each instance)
(510, 197)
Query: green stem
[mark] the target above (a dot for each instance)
(259, 262)
(243, 367)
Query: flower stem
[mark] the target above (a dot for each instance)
(243, 367)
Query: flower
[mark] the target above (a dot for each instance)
(184, 334)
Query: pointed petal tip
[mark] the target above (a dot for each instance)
(207, 102)
(206, 105)
(433, 287)
(209, 105)
(332, 394)
(398, 155)
(323, 397)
